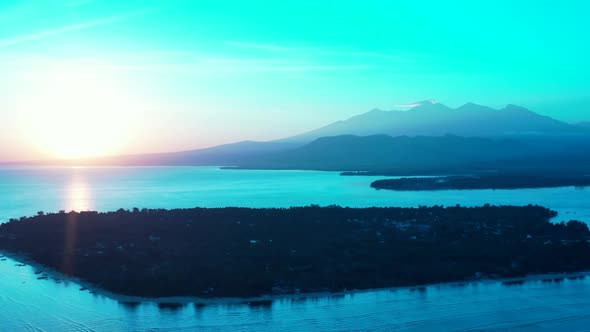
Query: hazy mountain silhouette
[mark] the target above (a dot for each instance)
(585, 124)
(428, 136)
(434, 119)
(428, 154)
(227, 154)
(349, 152)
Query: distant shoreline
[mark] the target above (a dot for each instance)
(482, 182)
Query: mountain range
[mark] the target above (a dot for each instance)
(429, 137)
(430, 118)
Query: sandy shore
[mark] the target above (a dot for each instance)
(86, 286)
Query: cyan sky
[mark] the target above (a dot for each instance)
(196, 73)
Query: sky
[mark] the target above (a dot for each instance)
(84, 77)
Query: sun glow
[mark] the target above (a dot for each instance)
(78, 113)
(78, 193)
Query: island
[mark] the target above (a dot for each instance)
(480, 182)
(244, 252)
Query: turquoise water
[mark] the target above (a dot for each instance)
(25, 191)
(30, 304)
(44, 305)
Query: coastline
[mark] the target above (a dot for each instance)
(480, 182)
(55, 275)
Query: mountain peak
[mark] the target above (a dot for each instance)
(473, 107)
(472, 104)
(429, 105)
(427, 101)
(417, 103)
(430, 118)
(516, 108)
(424, 102)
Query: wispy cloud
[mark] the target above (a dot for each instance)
(226, 66)
(323, 57)
(188, 62)
(410, 105)
(420, 103)
(40, 35)
(312, 67)
(179, 62)
(336, 51)
(275, 64)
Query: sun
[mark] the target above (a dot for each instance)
(75, 113)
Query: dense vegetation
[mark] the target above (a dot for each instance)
(248, 252)
(481, 182)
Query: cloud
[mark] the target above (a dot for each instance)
(40, 35)
(234, 66)
(411, 105)
(174, 63)
(336, 51)
(420, 103)
(315, 57)
(312, 67)
(184, 61)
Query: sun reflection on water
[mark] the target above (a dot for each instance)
(78, 198)
(78, 194)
